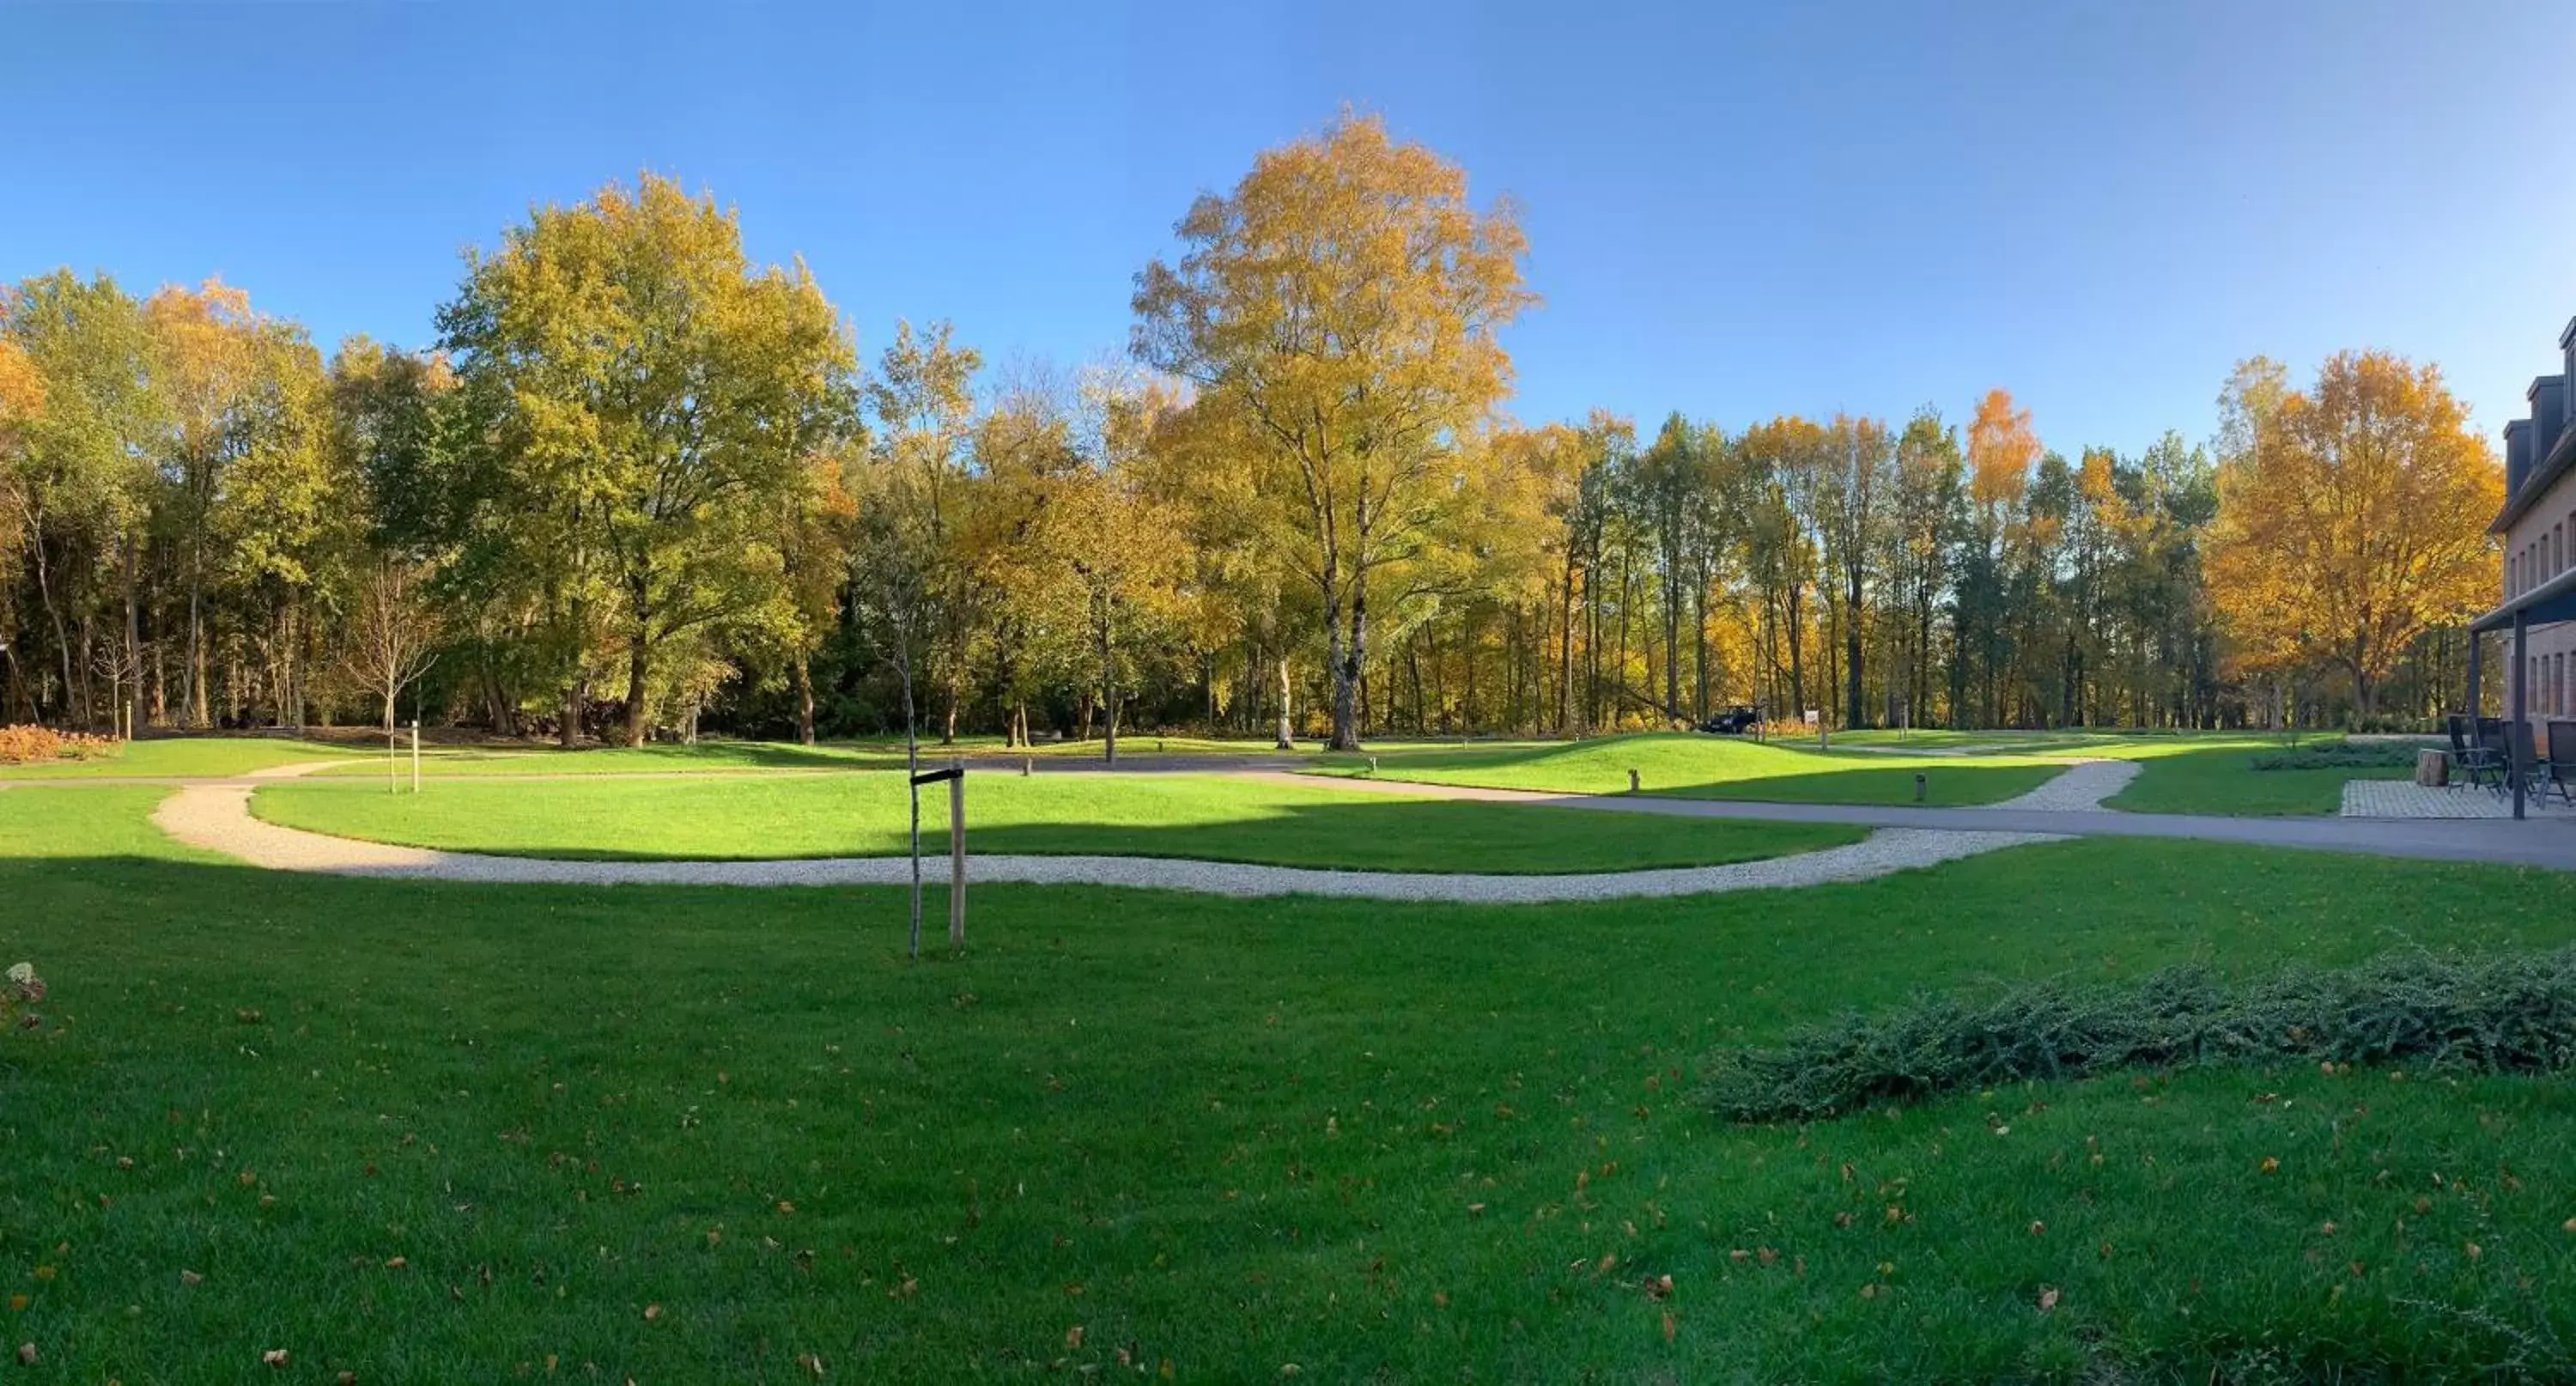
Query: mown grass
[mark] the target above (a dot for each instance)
(194, 755)
(1691, 765)
(424, 1132)
(714, 756)
(1162, 815)
(2199, 776)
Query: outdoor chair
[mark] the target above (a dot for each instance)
(2558, 769)
(2491, 741)
(2526, 762)
(2472, 763)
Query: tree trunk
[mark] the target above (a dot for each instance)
(1108, 691)
(804, 699)
(1797, 659)
(638, 666)
(568, 735)
(1852, 714)
(1287, 724)
(200, 712)
(54, 614)
(133, 658)
(1342, 661)
(1699, 649)
(1565, 655)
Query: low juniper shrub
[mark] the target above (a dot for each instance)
(2511, 1014)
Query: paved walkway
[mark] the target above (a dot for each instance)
(215, 814)
(2549, 841)
(2407, 799)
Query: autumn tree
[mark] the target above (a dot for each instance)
(393, 632)
(1922, 531)
(2002, 452)
(1345, 300)
(922, 399)
(83, 481)
(640, 376)
(2355, 520)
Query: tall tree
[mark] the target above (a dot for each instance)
(2356, 520)
(1345, 298)
(922, 397)
(643, 375)
(2002, 451)
(84, 462)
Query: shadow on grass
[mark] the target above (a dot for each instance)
(1398, 835)
(1792, 774)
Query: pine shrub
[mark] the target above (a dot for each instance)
(2507, 1014)
(2341, 755)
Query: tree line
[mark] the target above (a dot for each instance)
(641, 485)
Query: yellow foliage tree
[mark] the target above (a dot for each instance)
(2354, 522)
(1343, 300)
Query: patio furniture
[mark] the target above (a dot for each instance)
(2558, 770)
(2472, 761)
(2523, 760)
(2491, 739)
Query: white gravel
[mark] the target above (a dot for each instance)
(2082, 787)
(217, 817)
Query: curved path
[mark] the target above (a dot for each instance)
(216, 816)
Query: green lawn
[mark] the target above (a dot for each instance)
(704, 757)
(448, 1132)
(2217, 775)
(1689, 765)
(710, 756)
(1164, 815)
(201, 755)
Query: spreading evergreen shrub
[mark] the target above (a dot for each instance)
(2341, 755)
(2510, 1014)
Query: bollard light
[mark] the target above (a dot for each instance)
(1632, 781)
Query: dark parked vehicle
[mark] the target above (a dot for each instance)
(1735, 721)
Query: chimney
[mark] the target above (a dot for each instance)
(2567, 347)
(2548, 398)
(2517, 456)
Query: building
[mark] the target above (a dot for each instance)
(2537, 533)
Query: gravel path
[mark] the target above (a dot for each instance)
(217, 817)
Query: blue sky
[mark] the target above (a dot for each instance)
(1733, 210)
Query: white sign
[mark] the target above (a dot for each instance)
(1812, 719)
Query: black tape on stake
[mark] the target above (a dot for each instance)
(954, 772)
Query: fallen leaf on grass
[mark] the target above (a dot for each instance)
(2047, 1299)
(274, 1357)
(26, 1354)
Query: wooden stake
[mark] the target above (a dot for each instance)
(957, 856)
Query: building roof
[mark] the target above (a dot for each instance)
(2562, 455)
